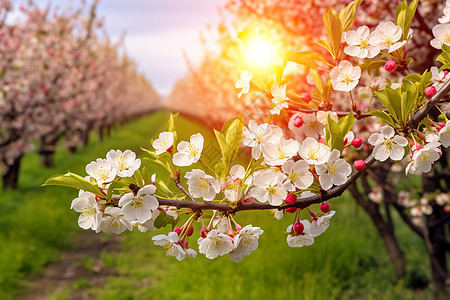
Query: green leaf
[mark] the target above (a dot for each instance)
(345, 124)
(395, 100)
(247, 34)
(347, 14)
(382, 115)
(404, 15)
(334, 30)
(372, 65)
(413, 77)
(317, 80)
(163, 220)
(170, 126)
(325, 44)
(146, 176)
(333, 138)
(74, 181)
(305, 58)
(384, 99)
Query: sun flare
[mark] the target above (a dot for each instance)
(260, 52)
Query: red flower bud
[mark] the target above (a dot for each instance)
(204, 232)
(359, 165)
(238, 227)
(430, 91)
(298, 228)
(291, 210)
(445, 73)
(357, 142)
(390, 66)
(306, 97)
(298, 121)
(322, 141)
(291, 199)
(177, 230)
(190, 231)
(325, 207)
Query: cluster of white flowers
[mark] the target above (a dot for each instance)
(138, 210)
(213, 243)
(441, 31)
(104, 171)
(302, 233)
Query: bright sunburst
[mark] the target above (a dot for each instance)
(260, 52)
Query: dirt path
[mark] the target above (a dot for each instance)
(77, 271)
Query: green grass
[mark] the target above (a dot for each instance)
(36, 223)
(347, 262)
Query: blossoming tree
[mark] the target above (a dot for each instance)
(56, 66)
(301, 157)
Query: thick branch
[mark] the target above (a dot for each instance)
(302, 202)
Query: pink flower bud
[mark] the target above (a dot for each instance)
(357, 142)
(190, 231)
(430, 91)
(298, 121)
(322, 141)
(230, 231)
(177, 230)
(359, 165)
(204, 232)
(238, 227)
(298, 228)
(306, 97)
(291, 210)
(325, 207)
(291, 199)
(390, 66)
(445, 73)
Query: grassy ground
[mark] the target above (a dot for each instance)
(346, 262)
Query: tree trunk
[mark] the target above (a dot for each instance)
(435, 239)
(385, 231)
(100, 133)
(11, 176)
(47, 151)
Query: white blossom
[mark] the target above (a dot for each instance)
(163, 143)
(362, 43)
(311, 127)
(258, 135)
(277, 154)
(189, 152)
(234, 185)
(279, 98)
(298, 175)
(320, 224)
(86, 204)
(244, 83)
(300, 240)
(335, 171)
(141, 206)
(387, 144)
(245, 242)
(441, 34)
(445, 19)
(215, 244)
(202, 185)
(444, 135)
(269, 187)
(390, 35)
(147, 225)
(345, 77)
(114, 221)
(438, 78)
(102, 170)
(313, 152)
(125, 163)
(424, 158)
(170, 244)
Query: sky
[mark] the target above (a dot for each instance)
(158, 32)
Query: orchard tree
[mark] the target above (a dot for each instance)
(57, 66)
